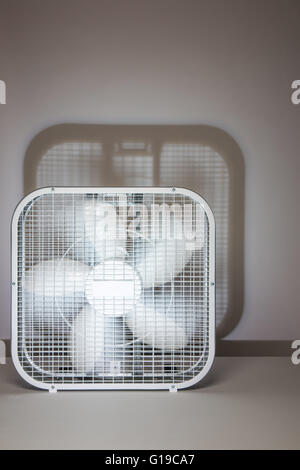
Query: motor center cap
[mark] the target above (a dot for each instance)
(113, 287)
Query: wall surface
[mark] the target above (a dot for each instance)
(224, 63)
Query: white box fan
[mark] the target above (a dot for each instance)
(113, 288)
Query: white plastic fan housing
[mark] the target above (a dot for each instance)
(99, 304)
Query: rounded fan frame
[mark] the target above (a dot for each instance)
(129, 321)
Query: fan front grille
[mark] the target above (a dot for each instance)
(114, 287)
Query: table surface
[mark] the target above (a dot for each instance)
(246, 403)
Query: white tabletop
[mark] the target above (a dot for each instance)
(246, 403)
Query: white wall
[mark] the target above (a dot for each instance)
(226, 63)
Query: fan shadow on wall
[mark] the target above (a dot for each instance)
(202, 158)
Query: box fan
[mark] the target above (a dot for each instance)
(113, 288)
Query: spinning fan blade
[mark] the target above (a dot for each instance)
(54, 290)
(160, 262)
(162, 322)
(97, 344)
(95, 232)
(163, 254)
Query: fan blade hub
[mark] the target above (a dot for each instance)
(113, 287)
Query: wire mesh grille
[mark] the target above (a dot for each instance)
(72, 164)
(113, 288)
(202, 169)
(133, 163)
